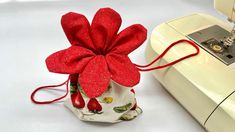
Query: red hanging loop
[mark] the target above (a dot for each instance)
(165, 51)
(138, 66)
(50, 86)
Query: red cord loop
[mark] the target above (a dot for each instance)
(50, 86)
(138, 66)
(170, 63)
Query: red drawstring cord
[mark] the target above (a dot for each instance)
(138, 66)
(165, 51)
(50, 86)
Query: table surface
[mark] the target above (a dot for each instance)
(30, 30)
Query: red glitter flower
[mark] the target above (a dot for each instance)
(98, 52)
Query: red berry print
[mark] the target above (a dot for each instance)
(134, 107)
(94, 106)
(77, 100)
(133, 91)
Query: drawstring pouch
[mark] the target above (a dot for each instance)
(101, 76)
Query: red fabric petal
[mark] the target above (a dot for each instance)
(129, 39)
(69, 61)
(122, 70)
(104, 27)
(95, 78)
(77, 30)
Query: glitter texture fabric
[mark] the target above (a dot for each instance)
(98, 53)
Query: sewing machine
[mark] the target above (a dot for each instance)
(205, 84)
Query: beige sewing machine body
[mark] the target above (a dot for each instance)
(205, 84)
